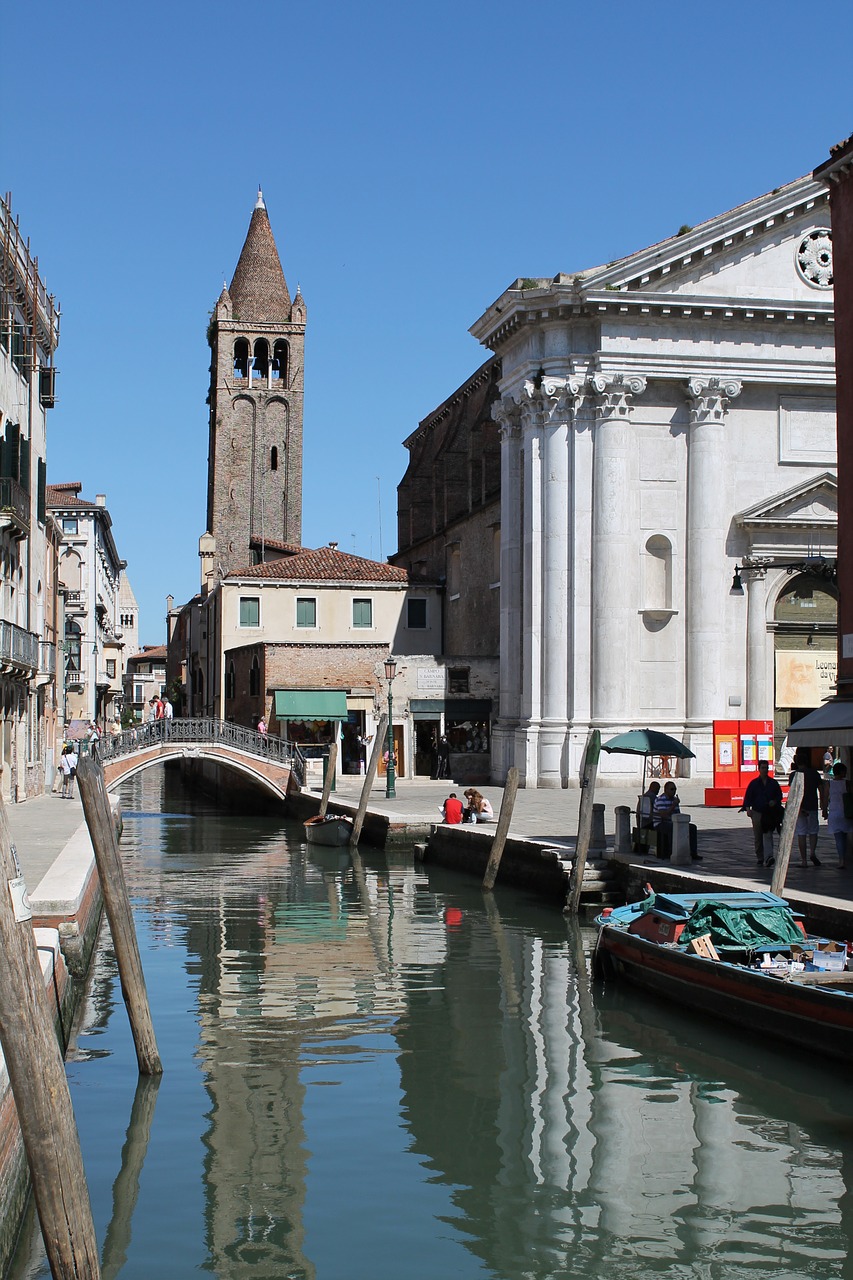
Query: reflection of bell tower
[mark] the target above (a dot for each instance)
(254, 465)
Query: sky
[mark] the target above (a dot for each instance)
(414, 160)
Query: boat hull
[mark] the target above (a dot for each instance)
(815, 1018)
(336, 831)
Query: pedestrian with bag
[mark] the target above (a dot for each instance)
(762, 803)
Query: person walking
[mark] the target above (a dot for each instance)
(762, 804)
(68, 764)
(807, 820)
(443, 757)
(833, 806)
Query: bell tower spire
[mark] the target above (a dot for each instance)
(257, 337)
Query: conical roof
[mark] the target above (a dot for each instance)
(259, 289)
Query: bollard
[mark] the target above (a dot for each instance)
(623, 831)
(680, 840)
(597, 840)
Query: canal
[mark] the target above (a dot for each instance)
(374, 1070)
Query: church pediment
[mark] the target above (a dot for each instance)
(812, 504)
(775, 248)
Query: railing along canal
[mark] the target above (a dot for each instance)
(196, 733)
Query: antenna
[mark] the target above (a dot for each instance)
(379, 504)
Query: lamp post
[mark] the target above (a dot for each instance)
(390, 771)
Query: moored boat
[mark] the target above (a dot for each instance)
(742, 957)
(330, 830)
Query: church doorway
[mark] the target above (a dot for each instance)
(805, 627)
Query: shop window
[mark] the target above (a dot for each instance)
(306, 612)
(416, 615)
(250, 611)
(457, 680)
(362, 613)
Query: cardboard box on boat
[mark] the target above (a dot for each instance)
(824, 955)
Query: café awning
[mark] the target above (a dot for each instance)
(310, 704)
(829, 726)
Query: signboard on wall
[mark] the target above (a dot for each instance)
(805, 677)
(431, 678)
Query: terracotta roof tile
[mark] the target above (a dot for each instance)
(151, 653)
(259, 290)
(326, 564)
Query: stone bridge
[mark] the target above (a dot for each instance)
(268, 762)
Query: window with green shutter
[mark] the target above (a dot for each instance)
(362, 613)
(250, 611)
(306, 612)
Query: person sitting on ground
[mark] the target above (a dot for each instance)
(762, 803)
(479, 808)
(451, 810)
(666, 805)
(832, 803)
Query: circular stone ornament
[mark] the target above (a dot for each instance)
(814, 258)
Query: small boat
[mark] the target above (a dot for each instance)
(330, 830)
(742, 957)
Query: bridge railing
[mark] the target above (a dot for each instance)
(197, 733)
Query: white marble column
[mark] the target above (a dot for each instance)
(507, 414)
(554, 400)
(614, 546)
(708, 568)
(759, 682)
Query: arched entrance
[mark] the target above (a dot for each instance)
(805, 625)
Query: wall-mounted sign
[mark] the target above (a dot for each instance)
(805, 677)
(431, 679)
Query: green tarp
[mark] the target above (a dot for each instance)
(310, 704)
(749, 929)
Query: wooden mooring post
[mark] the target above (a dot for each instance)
(504, 819)
(589, 771)
(331, 765)
(786, 839)
(39, 1085)
(99, 819)
(370, 774)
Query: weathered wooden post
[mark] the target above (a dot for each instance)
(370, 774)
(331, 765)
(504, 819)
(39, 1085)
(589, 770)
(96, 808)
(786, 839)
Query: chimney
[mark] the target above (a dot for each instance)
(333, 545)
(100, 499)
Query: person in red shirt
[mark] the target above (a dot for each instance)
(452, 809)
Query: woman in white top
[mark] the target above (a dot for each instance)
(833, 810)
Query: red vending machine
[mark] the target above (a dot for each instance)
(738, 747)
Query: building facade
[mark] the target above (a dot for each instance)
(257, 344)
(144, 679)
(91, 573)
(30, 609)
(665, 420)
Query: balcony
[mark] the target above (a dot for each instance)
(75, 602)
(47, 662)
(14, 508)
(19, 649)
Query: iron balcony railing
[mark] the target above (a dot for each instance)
(197, 733)
(15, 503)
(18, 648)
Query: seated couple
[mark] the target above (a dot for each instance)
(478, 808)
(656, 809)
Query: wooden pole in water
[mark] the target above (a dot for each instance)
(786, 839)
(331, 765)
(589, 770)
(126, 1185)
(504, 819)
(39, 1085)
(370, 774)
(99, 819)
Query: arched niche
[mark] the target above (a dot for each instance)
(656, 576)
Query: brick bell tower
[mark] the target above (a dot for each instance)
(254, 465)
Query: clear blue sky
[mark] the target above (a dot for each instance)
(415, 159)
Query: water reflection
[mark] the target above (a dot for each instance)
(372, 1071)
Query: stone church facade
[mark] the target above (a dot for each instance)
(664, 420)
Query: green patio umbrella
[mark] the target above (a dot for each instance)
(647, 742)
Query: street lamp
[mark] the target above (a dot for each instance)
(812, 566)
(390, 772)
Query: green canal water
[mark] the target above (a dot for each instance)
(372, 1070)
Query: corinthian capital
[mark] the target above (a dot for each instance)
(507, 414)
(614, 392)
(711, 397)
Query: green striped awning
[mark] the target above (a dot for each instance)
(310, 704)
